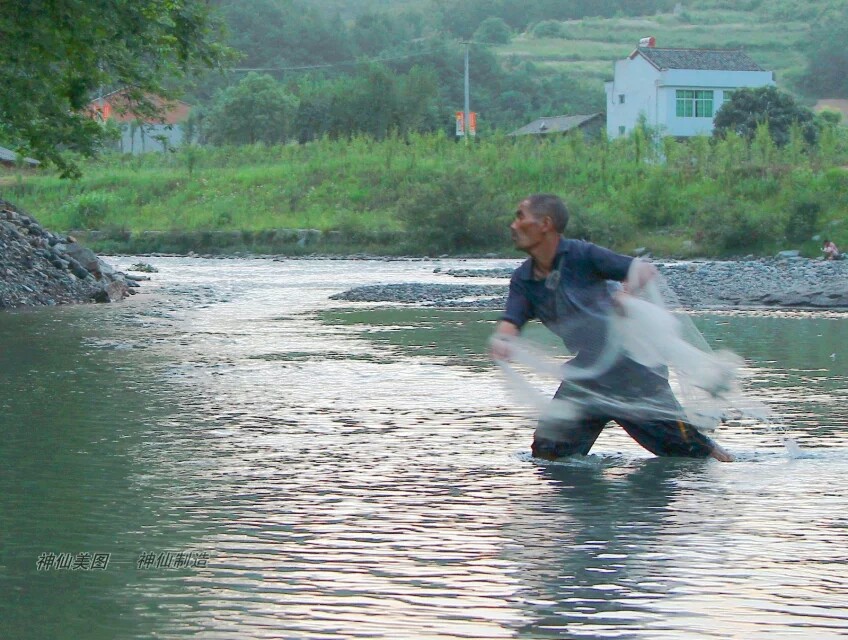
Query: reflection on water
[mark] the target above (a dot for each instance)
(360, 472)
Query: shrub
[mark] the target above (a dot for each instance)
(836, 185)
(803, 220)
(656, 202)
(548, 29)
(757, 189)
(610, 228)
(454, 212)
(117, 233)
(89, 210)
(728, 225)
(493, 30)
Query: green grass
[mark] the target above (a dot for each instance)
(429, 194)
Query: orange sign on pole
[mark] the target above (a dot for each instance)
(460, 123)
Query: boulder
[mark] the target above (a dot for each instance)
(85, 257)
(143, 267)
(77, 269)
(111, 292)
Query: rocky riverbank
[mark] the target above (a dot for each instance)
(38, 267)
(783, 282)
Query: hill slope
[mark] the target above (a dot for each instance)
(589, 47)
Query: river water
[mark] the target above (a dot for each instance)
(230, 454)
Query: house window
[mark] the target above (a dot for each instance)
(694, 103)
(620, 98)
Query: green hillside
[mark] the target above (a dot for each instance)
(516, 74)
(299, 71)
(589, 47)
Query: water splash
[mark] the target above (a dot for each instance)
(793, 449)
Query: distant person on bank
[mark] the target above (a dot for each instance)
(831, 252)
(565, 283)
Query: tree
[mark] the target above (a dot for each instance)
(748, 109)
(455, 211)
(261, 32)
(548, 29)
(418, 100)
(827, 69)
(493, 30)
(374, 33)
(313, 113)
(58, 54)
(257, 109)
(365, 104)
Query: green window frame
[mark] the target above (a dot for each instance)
(694, 103)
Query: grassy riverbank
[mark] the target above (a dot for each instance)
(429, 195)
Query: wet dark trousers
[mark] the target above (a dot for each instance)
(665, 435)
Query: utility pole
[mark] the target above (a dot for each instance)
(466, 119)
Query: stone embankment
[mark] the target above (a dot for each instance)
(785, 282)
(38, 267)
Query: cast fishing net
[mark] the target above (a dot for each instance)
(616, 352)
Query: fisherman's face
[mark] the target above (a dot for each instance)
(527, 230)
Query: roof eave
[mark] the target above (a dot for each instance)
(638, 51)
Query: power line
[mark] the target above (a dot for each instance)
(345, 63)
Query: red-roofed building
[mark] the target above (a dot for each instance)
(140, 134)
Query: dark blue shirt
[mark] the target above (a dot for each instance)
(574, 300)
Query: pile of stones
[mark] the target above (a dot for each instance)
(38, 267)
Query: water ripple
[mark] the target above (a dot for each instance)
(351, 479)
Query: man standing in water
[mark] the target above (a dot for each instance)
(566, 284)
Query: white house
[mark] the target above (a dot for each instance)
(678, 91)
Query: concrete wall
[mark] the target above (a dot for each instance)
(635, 80)
(144, 138)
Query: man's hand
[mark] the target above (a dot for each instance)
(499, 347)
(641, 273)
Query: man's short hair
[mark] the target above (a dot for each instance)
(547, 204)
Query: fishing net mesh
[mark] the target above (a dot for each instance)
(616, 357)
